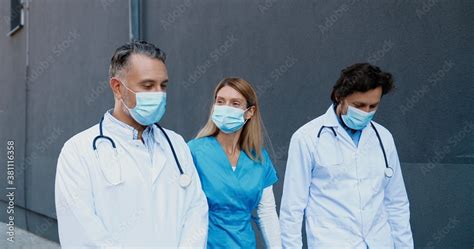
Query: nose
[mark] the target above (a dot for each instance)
(158, 88)
(366, 109)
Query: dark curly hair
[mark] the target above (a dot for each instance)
(361, 77)
(121, 56)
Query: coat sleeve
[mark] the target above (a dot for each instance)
(295, 192)
(268, 219)
(397, 205)
(78, 225)
(194, 233)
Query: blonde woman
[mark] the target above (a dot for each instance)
(236, 172)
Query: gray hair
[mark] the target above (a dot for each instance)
(121, 56)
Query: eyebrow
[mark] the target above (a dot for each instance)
(363, 103)
(232, 99)
(151, 81)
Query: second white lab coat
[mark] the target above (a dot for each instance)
(342, 191)
(145, 207)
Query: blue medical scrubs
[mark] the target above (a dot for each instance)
(231, 195)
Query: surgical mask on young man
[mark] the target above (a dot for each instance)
(357, 119)
(150, 107)
(228, 119)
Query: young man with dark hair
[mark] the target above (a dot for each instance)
(343, 174)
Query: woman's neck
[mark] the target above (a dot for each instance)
(229, 142)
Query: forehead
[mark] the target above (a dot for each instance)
(141, 66)
(228, 93)
(370, 97)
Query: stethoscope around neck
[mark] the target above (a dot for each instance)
(388, 169)
(184, 179)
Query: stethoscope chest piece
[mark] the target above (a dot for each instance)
(184, 180)
(388, 172)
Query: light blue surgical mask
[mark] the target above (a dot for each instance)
(150, 107)
(357, 119)
(228, 119)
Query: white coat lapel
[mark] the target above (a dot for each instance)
(161, 153)
(367, 134)
(159, 162)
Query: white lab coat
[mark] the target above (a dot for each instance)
(342, 191)
(146, 209)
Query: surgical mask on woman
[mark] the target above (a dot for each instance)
(150, 107)
(228, 119)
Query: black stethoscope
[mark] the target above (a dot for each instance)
(184, 179)
(388, 169)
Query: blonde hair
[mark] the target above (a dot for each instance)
(251, 139)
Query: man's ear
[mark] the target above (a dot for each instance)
(115, 86)
(340, 101)
(341, 105)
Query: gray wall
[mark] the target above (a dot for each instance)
(291, 51)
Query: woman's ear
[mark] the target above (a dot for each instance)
(250, 112)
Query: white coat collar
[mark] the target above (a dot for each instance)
(330, 118)
(127, 132)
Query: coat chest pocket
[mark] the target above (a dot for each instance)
(328, 151)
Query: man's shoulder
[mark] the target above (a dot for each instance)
(309, 129)
(384, 132)
(84, 137)
(174, 137)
